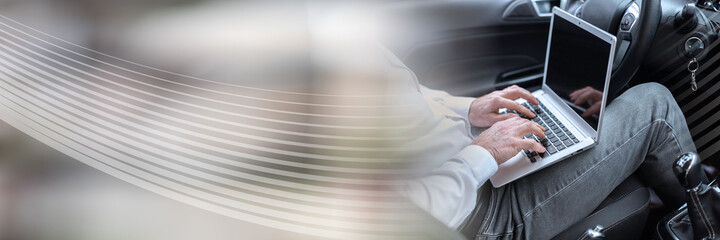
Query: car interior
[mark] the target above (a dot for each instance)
(473, 47)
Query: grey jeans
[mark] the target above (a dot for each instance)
(643, 130)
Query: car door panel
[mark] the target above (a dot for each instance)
(466, 47)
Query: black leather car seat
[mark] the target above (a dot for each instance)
(623, 213)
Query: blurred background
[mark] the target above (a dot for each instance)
(210, 45)
(44, 194)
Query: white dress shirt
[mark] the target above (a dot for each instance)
(450, 169)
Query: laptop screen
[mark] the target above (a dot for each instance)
(577, 65)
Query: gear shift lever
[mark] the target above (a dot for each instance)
(689, 171)
(701, 198)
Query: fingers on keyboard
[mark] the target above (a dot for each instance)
(557, 136)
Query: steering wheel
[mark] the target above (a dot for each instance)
(634, 23)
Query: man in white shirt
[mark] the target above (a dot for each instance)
(457, 162)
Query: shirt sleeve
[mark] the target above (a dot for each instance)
(449, 192)
(459, 105)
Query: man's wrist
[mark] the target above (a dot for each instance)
(480, 159)
(461, 105)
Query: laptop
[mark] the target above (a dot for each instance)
(579, 60)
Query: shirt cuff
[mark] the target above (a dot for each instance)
(460, 105)
(481, 162)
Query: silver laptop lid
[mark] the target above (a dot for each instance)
(579, 61)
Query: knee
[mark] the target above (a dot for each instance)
(651, 94)
(653, 100)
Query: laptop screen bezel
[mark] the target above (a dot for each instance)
(600, 34)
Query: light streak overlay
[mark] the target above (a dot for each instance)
(294, 161)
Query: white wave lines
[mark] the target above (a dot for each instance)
(227, 161)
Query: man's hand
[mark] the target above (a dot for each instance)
(589, 95)
(505, 138)
(484, 110)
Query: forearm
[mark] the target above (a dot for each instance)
(459, 105)
(449, 192)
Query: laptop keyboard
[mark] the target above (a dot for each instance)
(558, 137)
